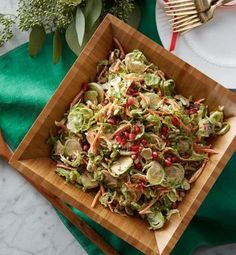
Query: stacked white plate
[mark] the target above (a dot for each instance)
(211, 48)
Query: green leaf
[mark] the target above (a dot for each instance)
(134, 17)
(36, 40)
(57, 46)
(72, 39)
(92, 12)
(80, 25)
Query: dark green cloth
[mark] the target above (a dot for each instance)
(26, 85)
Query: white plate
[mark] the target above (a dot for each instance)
(210, 48)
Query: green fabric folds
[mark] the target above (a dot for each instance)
(26, 85)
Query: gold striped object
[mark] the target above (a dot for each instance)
(188, 14)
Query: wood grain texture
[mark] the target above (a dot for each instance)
(32, 156)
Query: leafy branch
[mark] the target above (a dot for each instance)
(77, 19)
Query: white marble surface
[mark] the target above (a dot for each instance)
(28, 223)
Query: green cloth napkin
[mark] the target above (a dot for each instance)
(26, 85)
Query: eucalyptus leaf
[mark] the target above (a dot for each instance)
(57, 46)
(92, 12)
(72, 39)
(80, 25)
(135, 17)
(36, 40)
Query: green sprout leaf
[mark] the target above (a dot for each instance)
(80, 25)
(36, 40)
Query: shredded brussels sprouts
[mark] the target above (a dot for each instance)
(129, 136)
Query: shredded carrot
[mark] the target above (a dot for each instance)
(149, 206)
(159, 112)
(94, 143)
(186, 128)
(66, 167)
(79, 95)
(120, 129)
(206, 149)
(199, 101)
(198, 172)
(96, 197)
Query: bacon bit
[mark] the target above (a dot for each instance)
(118, 44)
(120, 129)
(143, 211)
(93, 145)
(84, 88)
(199, 101)
(65, 167)
(198, 172)
(102, 73)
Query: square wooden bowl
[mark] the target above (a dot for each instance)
(32, 156)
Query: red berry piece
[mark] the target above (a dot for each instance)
(138, 166)
(86, 147)
(175, 121)
(134, 148)
(137, 129)
(134, 156)
(118, 138)
(155, 155)
(132, 136)
(168, 162)
(164, 130)
(130, 101)
(126, 134)
(144, 142)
